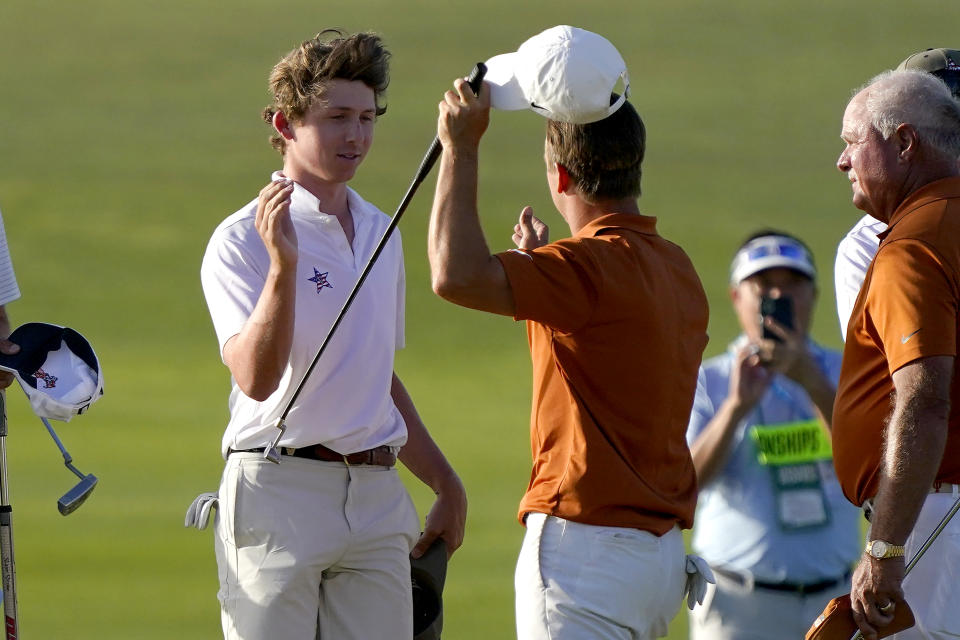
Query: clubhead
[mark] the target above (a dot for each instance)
(272, 453)
(72, 499)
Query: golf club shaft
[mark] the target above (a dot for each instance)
(53, 434)
(433, 153)
(933, 536)
(923, 549)
(8, 573)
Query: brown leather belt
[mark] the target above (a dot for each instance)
(382, 456)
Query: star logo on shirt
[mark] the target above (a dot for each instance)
(320, 279)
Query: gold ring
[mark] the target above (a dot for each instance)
(887, 608)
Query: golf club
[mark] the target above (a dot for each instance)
(76, 496)
(923, 549)
(8, 573)
(272, 453)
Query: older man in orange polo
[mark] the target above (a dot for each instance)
(901, 459)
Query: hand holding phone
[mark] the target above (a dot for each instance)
(781, 310)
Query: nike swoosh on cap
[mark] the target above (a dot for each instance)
(905, 339)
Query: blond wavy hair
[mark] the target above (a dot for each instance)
(302, 76)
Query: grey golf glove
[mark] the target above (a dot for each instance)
(198, 513)
(698, 575)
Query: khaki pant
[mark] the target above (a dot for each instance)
(309, 549)
(578, 581)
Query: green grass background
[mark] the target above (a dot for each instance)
(129, 129)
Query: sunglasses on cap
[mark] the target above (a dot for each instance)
(779, 249)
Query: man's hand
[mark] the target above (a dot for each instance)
(788, 355)
(463, 116)
(791, 356)
(8, 348)
(876, 584)
(749, 378)
(421, 455)
(914, 442)
(447, 518)
(274, 224)
(258, 355)
(530, 232)
(462, 270)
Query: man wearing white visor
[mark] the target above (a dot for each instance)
(616, 319)
(771, 518)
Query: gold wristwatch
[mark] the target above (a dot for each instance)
(881, 549)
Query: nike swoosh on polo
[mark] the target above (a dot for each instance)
(906, 339)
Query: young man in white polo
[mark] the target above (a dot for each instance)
(318, 545)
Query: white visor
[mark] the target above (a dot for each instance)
(769, 252)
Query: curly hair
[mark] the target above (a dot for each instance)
(302, 76)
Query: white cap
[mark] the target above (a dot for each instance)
(57, 369)
(564, 73)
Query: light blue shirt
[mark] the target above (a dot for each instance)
(737, 525)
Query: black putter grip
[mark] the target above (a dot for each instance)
(433, 153)
(476, 77)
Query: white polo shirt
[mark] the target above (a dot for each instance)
(9, 291)
(345, 403)
(854, 254)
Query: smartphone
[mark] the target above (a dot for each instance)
(781, 310)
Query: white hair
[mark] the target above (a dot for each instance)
(919, 99)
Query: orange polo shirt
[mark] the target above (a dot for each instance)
(907, 309)
(617, 323)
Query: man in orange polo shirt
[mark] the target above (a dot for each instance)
(616, 319)
(901, 459)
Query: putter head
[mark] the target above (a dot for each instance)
(272, 453)
(72, 499)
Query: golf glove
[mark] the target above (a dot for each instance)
(698, 575)
(198, 514)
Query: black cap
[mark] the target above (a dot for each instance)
(427, 574)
